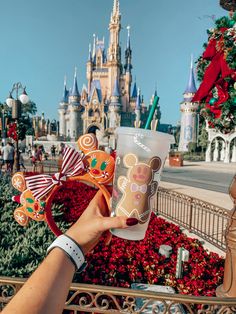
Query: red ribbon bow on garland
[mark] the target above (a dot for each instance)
(42, 184)
(218, 66)
(222, 95)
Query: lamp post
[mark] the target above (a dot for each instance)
(4, 127)
(15, 105)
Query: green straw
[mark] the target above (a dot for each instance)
(151, 113)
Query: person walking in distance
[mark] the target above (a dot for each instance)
(21, 161)
(8, 156)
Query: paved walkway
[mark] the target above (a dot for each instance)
(217, 198)
(210, 166)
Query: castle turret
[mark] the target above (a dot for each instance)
(89, 69)
(114, 51)
(74, 96)
(128, 54)
(73, 110)
(138, 109)
(62, 110)
(188, 129)
(128, 68)
(114, 107)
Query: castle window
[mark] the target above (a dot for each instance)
(97, 113)
(90, 113)
(99, 63)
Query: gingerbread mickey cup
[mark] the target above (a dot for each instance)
(137, 188)
(31, 208)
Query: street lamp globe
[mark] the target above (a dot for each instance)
(10, 101)
(24, 98)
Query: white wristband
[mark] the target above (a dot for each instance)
(72, 250)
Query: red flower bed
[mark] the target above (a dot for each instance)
(75, 197)
(123, 262)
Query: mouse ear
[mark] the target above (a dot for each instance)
(18, 181)
(155, 163)
(87, 143)
(130, 160)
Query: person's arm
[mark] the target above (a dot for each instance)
(45, 292)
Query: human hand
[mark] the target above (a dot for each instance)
(94, 222)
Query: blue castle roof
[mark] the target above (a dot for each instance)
(191, 87)
(138, 101)
(135, 92)
(116, 91)
(65, 93)
(75, 91)
(96, 85)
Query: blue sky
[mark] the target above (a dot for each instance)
(41, 41)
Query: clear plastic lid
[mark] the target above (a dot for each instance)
(146, 133)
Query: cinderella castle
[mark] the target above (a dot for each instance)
(109, 99)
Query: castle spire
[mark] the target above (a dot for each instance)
(116, 8)
(90, 54)
(191, 87)
(116, 92)
(128, 53)
(65, 92)
(94, 45)
(138, 101)
(75, 91)
(128, 37)
(134, 93)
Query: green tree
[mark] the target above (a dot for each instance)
(29, 109)
(192, 147)
(203, 138)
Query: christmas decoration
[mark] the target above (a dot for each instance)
(216, 69)
(12, 131)
(90, 165)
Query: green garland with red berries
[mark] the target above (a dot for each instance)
(216, 70)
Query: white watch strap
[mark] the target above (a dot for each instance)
(71, 248)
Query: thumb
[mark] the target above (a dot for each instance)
(117, 223)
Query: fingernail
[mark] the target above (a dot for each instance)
(131, 221)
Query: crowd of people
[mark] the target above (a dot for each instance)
(35, 153)
(8, 157)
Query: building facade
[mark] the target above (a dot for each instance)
(189, 118)
(106, 101)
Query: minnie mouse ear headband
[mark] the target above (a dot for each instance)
(91, 165)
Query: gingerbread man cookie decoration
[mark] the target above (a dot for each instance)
(137, 188)
(31, 208)
(98, 164)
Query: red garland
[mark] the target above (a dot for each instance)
(218, 65)
(12, 132)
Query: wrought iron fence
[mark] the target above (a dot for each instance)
(206, 220)
(101, 299)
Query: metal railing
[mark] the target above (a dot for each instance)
(206, 220)
(101, 299)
